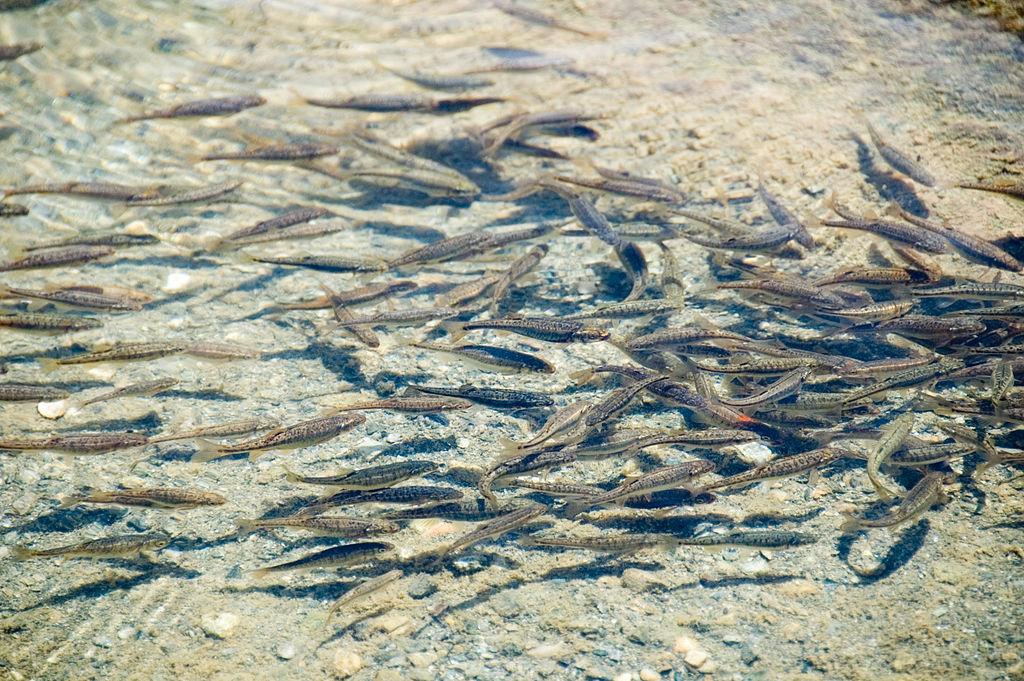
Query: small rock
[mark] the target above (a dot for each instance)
(177, 281)
(286, 651)
(903, 662)
(546, 650)
(422, 659)
(346, 664)
(755, 565)
(754, 453)
(52, 410)
(684, 644)
(635, 579)
(696, 658)
(648, 674)
(421, 586)
(624, 676)
(220, 625)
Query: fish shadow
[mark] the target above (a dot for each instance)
(889, 186)
(899, 554)
(106, 584)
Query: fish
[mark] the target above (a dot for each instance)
(363, 589)
(409, 494)
(496, 398)
(464, 293)
(635, 264)
(785, 217)
(173, 198)
(452, 83)
(532, 16)
(406, 317)
(905, 379)
(80, 443)
(674, 337)
(523, 461)
(629, 542)
(667, 477)
(501, 359)
(152, 387)
(1002, 381)
(616, 401)
(220, 106)
(329, 526)
(35, 321)
(71, 255)
(968, 245)
(239, 427)
(884, 448)
(290, 218)
(88, 297)
(12, 210)
(155, 497)
(111, 239)
(105, 547)
(25, 392)
(494, 527)
(788, 384)
(403, 102)
(411, 405)
(926, 493)
(325, 263)
(779, 468)
(15, 50)
(276, 152)
(333, 557)
(295, 436)
(900, 232)
(517, 270)
(119, 352)
(761, 539)
(1014, 189)
(624, 184)
(550, 329)
(898, 160)
(356, 296)
(375, 477)
(217, 350)
(557, 489)
(89, 190)
(630, 309)
(883, 277)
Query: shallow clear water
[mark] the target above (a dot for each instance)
(704, 96)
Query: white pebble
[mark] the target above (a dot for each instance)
(755, 565)
(422, 659)
(221, 624)
(754, 453)
(649, 674)
(286, 651)
(52, 410)
(177, 281)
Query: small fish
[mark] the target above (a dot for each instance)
(898, 160)
(923, 326)
(293, 217)
(326, 263)
(566, 419)
(557, 489)
(152, 387)
(768, 239)
(926, 493)
(611, 543)
(501, 359)
(785, 217)
(884, 277)
(667, 477)
(671, 283)
(1002, 381)
(89, 190)
(876, 312)
(675, 337)
(296, 436)
(333, 557)
(35, 321)
(616, 401)
(463, 293)
(411, 405)
(788, 384)
(106, 547)
(328, 526)
(375, 477)
(492, 528)
(760, 539)
(15, 50)
(517, 270)
(216, 350)
(534, 17)
(156, 497)
(630, 309)
(551, 329)
(72, 255)
(970, 246)
(905, 379)
(356, 296)
(404, 102)
(588, 216)
(785, 287)
(974, 290)
(364, 589)
(186, 195)
(473, 510)
(455, 83)
(221, 106)
(302, 230)
(120, 352)
(406, 317)
(1015, 189)
(451, 248)
(889, 443)
(900, 232)
(80, 443)
(780, 468)
(625, 184)
(24, 392)
(112, 239)
(496, 398)
(635, 264)
(519, 463)
(240, 427)
(277, 152)
(409, 494)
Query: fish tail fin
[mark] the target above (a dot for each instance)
(454, 329)
(207, 451)
(851, 524)
(47, 364)
(69, 501)
(290, 476)
(259, 572)
(21, 553)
